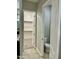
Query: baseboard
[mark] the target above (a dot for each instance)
(38, 52)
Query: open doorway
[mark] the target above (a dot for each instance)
(47, 21)
(29, 18)
(47, 25)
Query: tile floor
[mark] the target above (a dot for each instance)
(32, 54)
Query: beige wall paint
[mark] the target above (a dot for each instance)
(40, 34)
(27, 5)
(33, 1)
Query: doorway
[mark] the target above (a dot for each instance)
(47, 21)
(47, 24)
(28, 29)
(42, 39)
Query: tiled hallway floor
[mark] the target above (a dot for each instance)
(32, 54)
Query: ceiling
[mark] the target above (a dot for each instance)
(33, 0)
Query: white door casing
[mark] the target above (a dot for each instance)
(40, 37)
(40, 27)
(34, 31)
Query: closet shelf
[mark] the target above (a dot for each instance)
(28, 21)
(28, 30)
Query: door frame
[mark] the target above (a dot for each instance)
(41, 54)
(34, 40)
(21, 29)
(45, 5)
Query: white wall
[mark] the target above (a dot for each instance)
(55, 30)
(40, 43)
(18, 4)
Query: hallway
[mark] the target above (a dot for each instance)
(39, 32)
(32, 30)
(32, 54)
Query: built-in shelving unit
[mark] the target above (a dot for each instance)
(28, 29)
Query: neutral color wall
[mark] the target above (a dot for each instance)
(55, 29)
(29, 5)
(40, 32)
(18, 4)
(54, 34)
